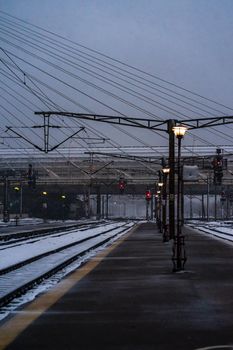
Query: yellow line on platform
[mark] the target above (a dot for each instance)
(16, 325)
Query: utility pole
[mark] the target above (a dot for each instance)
(98, 204)
(21, 200)
(171, 163)
(6, 217)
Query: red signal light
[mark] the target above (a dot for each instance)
(148, 195)
(121, 185)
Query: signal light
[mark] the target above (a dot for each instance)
(121, 185)
(148, 195)
(218, 168)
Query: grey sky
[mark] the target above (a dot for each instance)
(187, 42)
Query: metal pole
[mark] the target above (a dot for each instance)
(151, 208)
(164, 208)
(102, 213)
(5, 201)
(171, 123)
(191, 207)
(160, 212)
(202, 207)
(178, 229)
(182, 196)
(147, 210)
(207, 204)
(227, 199)
(107, 206)
(215, 203)
(89, 202)
(98, 204)
(179, 257)
(21, 200)
(156, 207)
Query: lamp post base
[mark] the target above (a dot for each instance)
(179, 255)
(165, 233)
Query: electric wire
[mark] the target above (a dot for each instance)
(225, 106)
(112, 59)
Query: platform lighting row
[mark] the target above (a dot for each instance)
(45, 193)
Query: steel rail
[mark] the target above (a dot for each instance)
(46, 266)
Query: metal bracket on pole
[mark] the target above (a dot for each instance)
(46, 127)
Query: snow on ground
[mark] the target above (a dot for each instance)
(224, 233)
(14, 253)
(36, 221)
(53, 240)
(217, 229)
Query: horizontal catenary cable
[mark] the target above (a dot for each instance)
(225, 135)
(118, 147)
(54, 35)
(69, 85)
(92, 73)
(73, 101)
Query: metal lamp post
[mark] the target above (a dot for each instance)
(63, 197)
(157, 196)
(165, 171)
(179, 257)
(45, 205)
(159, 192)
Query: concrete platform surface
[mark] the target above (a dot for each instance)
(130, 299)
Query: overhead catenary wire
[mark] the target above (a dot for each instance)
(140, 78)
(75, 89)
(92, 112)
(89, 150)
(55, 78)
(110, 81)
(111, 59)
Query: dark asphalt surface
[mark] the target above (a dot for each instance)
(133, 301)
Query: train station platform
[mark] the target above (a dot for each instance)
(128, 298)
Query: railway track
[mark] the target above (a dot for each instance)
(27, 233)
(16, 279)
(222, 232)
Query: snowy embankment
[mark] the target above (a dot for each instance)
(18, 252)
(220, 229)
(12, 254)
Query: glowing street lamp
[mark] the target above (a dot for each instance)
(179, 257)
(166, 171)
(45, 205)
(179, 131)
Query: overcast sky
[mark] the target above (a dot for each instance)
(187, 42)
